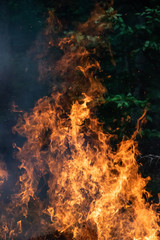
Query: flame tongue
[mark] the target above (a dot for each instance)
(91, 191)
(88, 182)
(3, 173)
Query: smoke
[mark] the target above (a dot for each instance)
(18, 76)
(67, 176)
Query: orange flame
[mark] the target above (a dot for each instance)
(91, 191)
(3, 172)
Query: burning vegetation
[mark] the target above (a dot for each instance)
(71, 180)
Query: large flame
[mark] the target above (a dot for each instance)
(71, 180)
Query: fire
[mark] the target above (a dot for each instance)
(3, 172)
(71, 179)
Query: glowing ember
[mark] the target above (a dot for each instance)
(88, 189)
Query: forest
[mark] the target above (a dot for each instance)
(79, 119)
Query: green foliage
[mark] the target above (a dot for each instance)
(126, 101)
(150, 133)
(134, 82)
